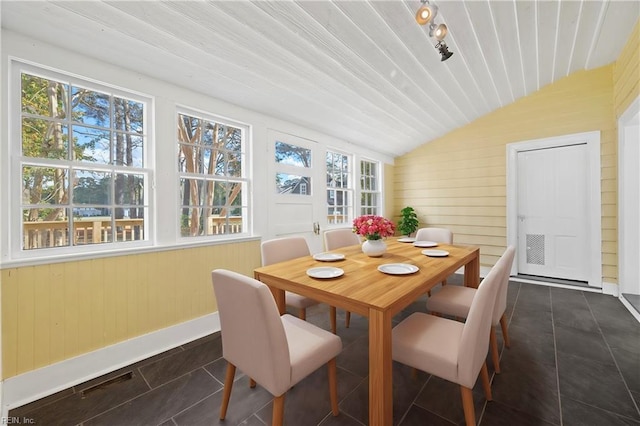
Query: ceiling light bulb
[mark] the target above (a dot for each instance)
(424, 15)
(440, 32)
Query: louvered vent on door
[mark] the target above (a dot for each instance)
(535, 249)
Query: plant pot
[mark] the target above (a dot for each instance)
(374, 248)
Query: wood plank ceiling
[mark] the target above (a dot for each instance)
(362, 71)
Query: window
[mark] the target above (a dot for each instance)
(293, 156)
(81, 166)
(369, 188)
(339, 188)
(212, 176)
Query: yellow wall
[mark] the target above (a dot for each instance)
(57, 311)
(459, 180)
(626, 73)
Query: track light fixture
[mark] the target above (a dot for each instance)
(444, 50)
(426, 15)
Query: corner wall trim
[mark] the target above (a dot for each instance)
(33, 385)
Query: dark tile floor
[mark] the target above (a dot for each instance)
(574, 360)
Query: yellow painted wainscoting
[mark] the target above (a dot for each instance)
(56, 311)
(459, 180)
(626, 73)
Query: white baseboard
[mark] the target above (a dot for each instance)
(548, 284)
(33, 385)
(630, 308)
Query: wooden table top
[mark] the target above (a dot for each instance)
(363, 287)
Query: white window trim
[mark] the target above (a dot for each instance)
(12, 219)
(247, 177)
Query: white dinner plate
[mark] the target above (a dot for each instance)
(436, 253)
(328, 257)
(425, 244)
(325, 272)
(406, 240)
(398, 268)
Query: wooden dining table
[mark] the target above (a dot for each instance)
(364, 290)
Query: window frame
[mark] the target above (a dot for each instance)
(378, 192)
(16, 160)
(245, 178)
(350, 190)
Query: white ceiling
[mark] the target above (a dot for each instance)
(363, 71)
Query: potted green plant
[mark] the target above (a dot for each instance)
(408, 223)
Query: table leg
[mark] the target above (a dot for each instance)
(380, 369)
(472, 271)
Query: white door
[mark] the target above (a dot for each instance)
(297, 194)
(552, 204)
(629, 239)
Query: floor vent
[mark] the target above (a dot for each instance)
(102, 385)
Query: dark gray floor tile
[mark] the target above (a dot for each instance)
(341, 419)
(355, 357)
(218, 369)
(161, 403)
(563, 297)
(578, 318)
(594, 383)
(243, 403)
(405, 390)
(314, 388)
(534, 297)
(619, 338)
(531, 345)
(583, 344)
(443, 398)
(169, 422)
(629, 364)
(418, 416)
(528, 387)
(178, 364)
(537, 321)
(575, 413)
(252, 421)
(75, 408)
(497, 414)
(205, 339)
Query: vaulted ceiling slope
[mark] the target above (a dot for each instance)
(362, 71)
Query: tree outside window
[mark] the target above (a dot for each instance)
(213, 183)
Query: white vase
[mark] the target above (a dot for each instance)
(374, 248)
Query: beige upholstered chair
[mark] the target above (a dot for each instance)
(457, 300)
(279, 250)
(449, 349)
(336, 238)
(274, 351)
(437, 235)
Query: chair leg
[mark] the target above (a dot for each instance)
(332, 319)
(278, 411)
(486, 385)
(444, 282)
(467, 406)
(347, 319)
(252, 383)
(302, 314)
(505, 332)
(228, 384)
(495, 356)
(333, 387)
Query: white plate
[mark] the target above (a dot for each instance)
(398, 268)
(328, 257)
(406, 239)
(436, 253)
(425, 244)
(325, 272)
